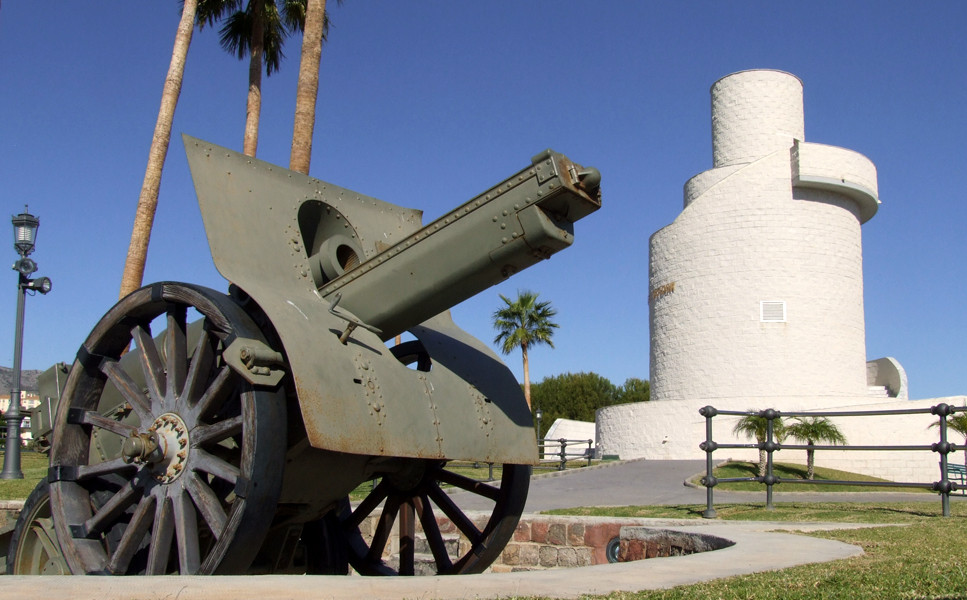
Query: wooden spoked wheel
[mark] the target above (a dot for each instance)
(419, 494)
(168, 461)
(33, 545)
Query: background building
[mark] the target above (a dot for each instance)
(756, 292)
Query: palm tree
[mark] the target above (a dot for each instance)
(307, 91)
(812, 430)
(523, 323)
(148, 200)
(257, 32)
(957, 422)
(757, 426)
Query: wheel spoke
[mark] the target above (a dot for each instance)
(207, 502)
(116, 465)
(132, 537)
(431, 530)
(383, 528)
(215, 395)
(368, 505)
(161, 536)
(453, 512)
(206, 434)
(130, 391)
(186, 532)
(151, 365)
(407, 538)
(209, 463)
(108, 514)
(95, 419)
(202, 361)
(471, 485)
(176, 350)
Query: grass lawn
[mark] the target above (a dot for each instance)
(34, 467)
(925, 558)
(795, 472)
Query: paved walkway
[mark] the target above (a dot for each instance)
(647, 482)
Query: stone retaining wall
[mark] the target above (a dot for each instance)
(548, 542)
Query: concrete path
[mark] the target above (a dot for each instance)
(758, 547)
(754, 550)
(647, 482)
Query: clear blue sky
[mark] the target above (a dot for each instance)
(424, 104)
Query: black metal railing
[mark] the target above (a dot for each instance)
(579, 450)
(771, 445)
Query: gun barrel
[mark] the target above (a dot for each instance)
(522, 220)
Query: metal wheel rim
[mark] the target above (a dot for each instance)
(33, 547)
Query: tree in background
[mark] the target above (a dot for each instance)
(256, 32)
(523, 323)
(812, 430)
(755, 425)
(957, 422)
(575, 396)
(148, 200)
(307, 91)
(634, 390)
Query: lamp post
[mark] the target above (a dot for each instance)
(24, 236)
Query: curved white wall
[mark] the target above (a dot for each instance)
(753, 114)
(750, 233)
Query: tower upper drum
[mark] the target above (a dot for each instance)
(755, 113)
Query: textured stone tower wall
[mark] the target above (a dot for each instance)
(754, 231)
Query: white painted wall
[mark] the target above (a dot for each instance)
(762, 225)
(567, 429)
(674, 430)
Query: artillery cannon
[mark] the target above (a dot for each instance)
(229, 441)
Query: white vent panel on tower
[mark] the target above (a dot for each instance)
(772, 311)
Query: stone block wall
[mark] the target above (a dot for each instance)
(549, 542)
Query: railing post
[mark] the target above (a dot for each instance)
(770, 445)
(563, 454)
(943, 448)
(708, 446)
(590, 451)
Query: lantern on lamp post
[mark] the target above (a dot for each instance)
(24, 237)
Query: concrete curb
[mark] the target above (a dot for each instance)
(758, 547)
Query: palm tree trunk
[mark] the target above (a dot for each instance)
(810, 463)
(527, 376)
(148, 200)
(308, 88)
(253, 107)
(762, 462)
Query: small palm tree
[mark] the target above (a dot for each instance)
(523, 323)
(757, 426)
(957, 422)
(812, 430)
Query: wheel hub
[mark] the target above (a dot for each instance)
(164, 447)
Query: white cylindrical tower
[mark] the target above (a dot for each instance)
(754, 113)
(757, 286)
